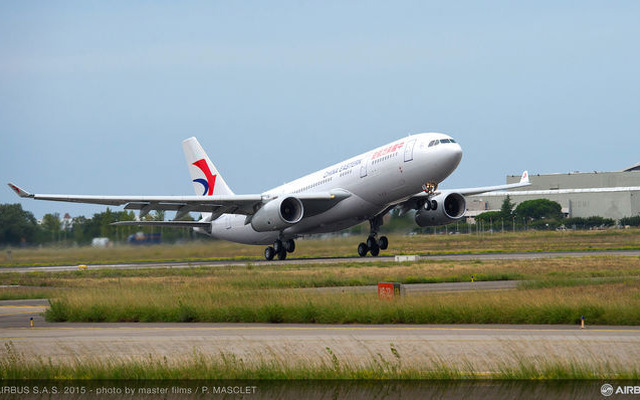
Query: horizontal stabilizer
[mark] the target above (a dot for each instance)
(171, 224)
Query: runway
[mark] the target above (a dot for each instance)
(480, 347)
(329, 260)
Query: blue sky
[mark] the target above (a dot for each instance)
(96, 97)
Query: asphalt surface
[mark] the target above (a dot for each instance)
(330, 260)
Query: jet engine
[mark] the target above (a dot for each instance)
(441, 210)
(278, 214)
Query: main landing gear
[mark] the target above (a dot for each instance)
(372, 244)
(280, 249)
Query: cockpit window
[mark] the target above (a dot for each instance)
(452, 141)
(434, 143)
(444, 140)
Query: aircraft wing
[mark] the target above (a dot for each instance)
(218, 205)
(524, 181)
(415, 202)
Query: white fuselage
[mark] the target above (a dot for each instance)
(376, 180)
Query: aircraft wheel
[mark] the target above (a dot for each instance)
(282, 254)
(290, 246)
(277, 245)
(371, 242)
(269, 253)
(375, 250)
(362, 249)
(383, 242)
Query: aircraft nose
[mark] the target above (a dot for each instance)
(455, 153)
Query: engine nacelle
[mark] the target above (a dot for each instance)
(278, 214)
(441, 210)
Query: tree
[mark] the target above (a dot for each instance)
(79, 230)
(50, 227)
(489, 216)
(506, 211)
(16, 225)
(538, 209)
(631, 221)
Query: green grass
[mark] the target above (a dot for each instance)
(602, 304)
(210, 250)
(199, 366)
(606, 290)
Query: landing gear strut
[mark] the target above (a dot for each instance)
(280, 249)
(373, 245)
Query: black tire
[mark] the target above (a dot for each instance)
(371, 242)
(277, 245)
(269, 253)
(383, 243)
(375, 250)
(290, 246)
(362, 249)
(282, 254)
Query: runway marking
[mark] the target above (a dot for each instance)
(1, 307)
(19, 313)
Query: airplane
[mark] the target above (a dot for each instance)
(404, 175)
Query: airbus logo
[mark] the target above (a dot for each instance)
(607, 390)
(210, 182)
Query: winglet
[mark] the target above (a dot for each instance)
(20, 192)
(525, 177)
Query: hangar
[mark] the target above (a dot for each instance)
(581, 194)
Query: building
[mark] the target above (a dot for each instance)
(606, 194)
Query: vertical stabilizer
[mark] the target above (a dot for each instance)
(206, 179)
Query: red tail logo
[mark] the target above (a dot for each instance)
(210, 183)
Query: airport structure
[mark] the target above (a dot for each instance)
(606, 194)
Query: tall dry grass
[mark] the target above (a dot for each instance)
(228, 366)
(204, 300)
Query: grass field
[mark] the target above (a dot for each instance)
(603, 289)
(606, 290)
(559, 291)
(334, 247)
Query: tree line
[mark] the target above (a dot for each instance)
(19, 227)
(547, 214)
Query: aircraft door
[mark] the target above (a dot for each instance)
(408, 150)
(363, 168)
